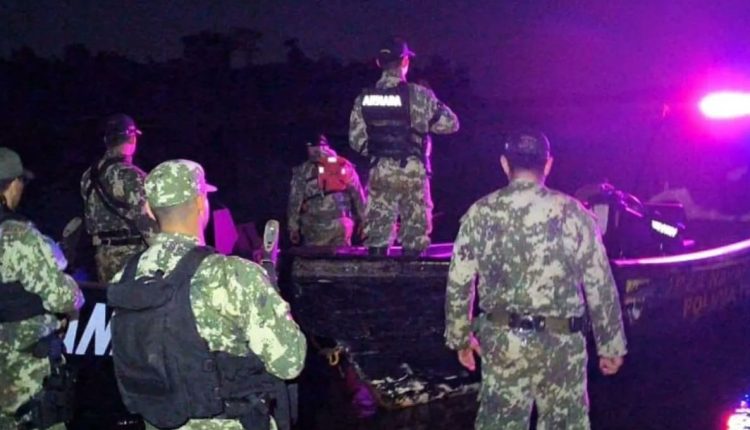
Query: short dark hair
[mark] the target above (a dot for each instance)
(526, 162)
(173, 213)
(527, 149)
(391, 64)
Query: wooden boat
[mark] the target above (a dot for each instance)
(386, 314)
(686, 317)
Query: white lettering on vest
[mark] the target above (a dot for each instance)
(381, 100)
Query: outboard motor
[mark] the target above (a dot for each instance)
(633, 229)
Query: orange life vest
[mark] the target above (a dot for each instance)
(334, 174)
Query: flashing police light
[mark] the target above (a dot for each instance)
(379, 100)
(738, 421)
(725, 105)
(740, 418)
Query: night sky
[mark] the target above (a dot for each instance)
(512, 48)
(595, 75)
(614, 83)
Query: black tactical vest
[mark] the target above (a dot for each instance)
(17, 304)
(387, 114)
(165, 370)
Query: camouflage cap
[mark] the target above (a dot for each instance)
(528, 144)
(176, 181)
(11, 166)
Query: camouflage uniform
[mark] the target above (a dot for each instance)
(27, 257)
(123, 181)
(236, 308)
(534, 250)
(395, 189)
(324, 219)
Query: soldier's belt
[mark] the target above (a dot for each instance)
(527, 322)
(117, 241)
(117, 234)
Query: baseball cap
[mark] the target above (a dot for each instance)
(120, 124)
(317, 140)
(394, 48)
(175, 181)
(11, 166)
(527, 144)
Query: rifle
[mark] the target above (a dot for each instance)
(269, 261)
(270, 251)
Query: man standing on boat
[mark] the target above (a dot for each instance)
(542, 271)
(326, 198)
(391, 123)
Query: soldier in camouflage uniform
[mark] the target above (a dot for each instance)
(236, 308)
(537, 254)
(324, 214)
(391, 124)
(114, 200)
(27, 260)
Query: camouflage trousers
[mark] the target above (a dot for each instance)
(336, 232)
(519, 369)
(110, 259)
(394, 192)
(21, 377)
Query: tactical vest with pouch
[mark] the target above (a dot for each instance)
(55, 402)
(387, 114)
(165, 370)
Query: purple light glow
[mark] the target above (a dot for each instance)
(693, 256)
(725, 105)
